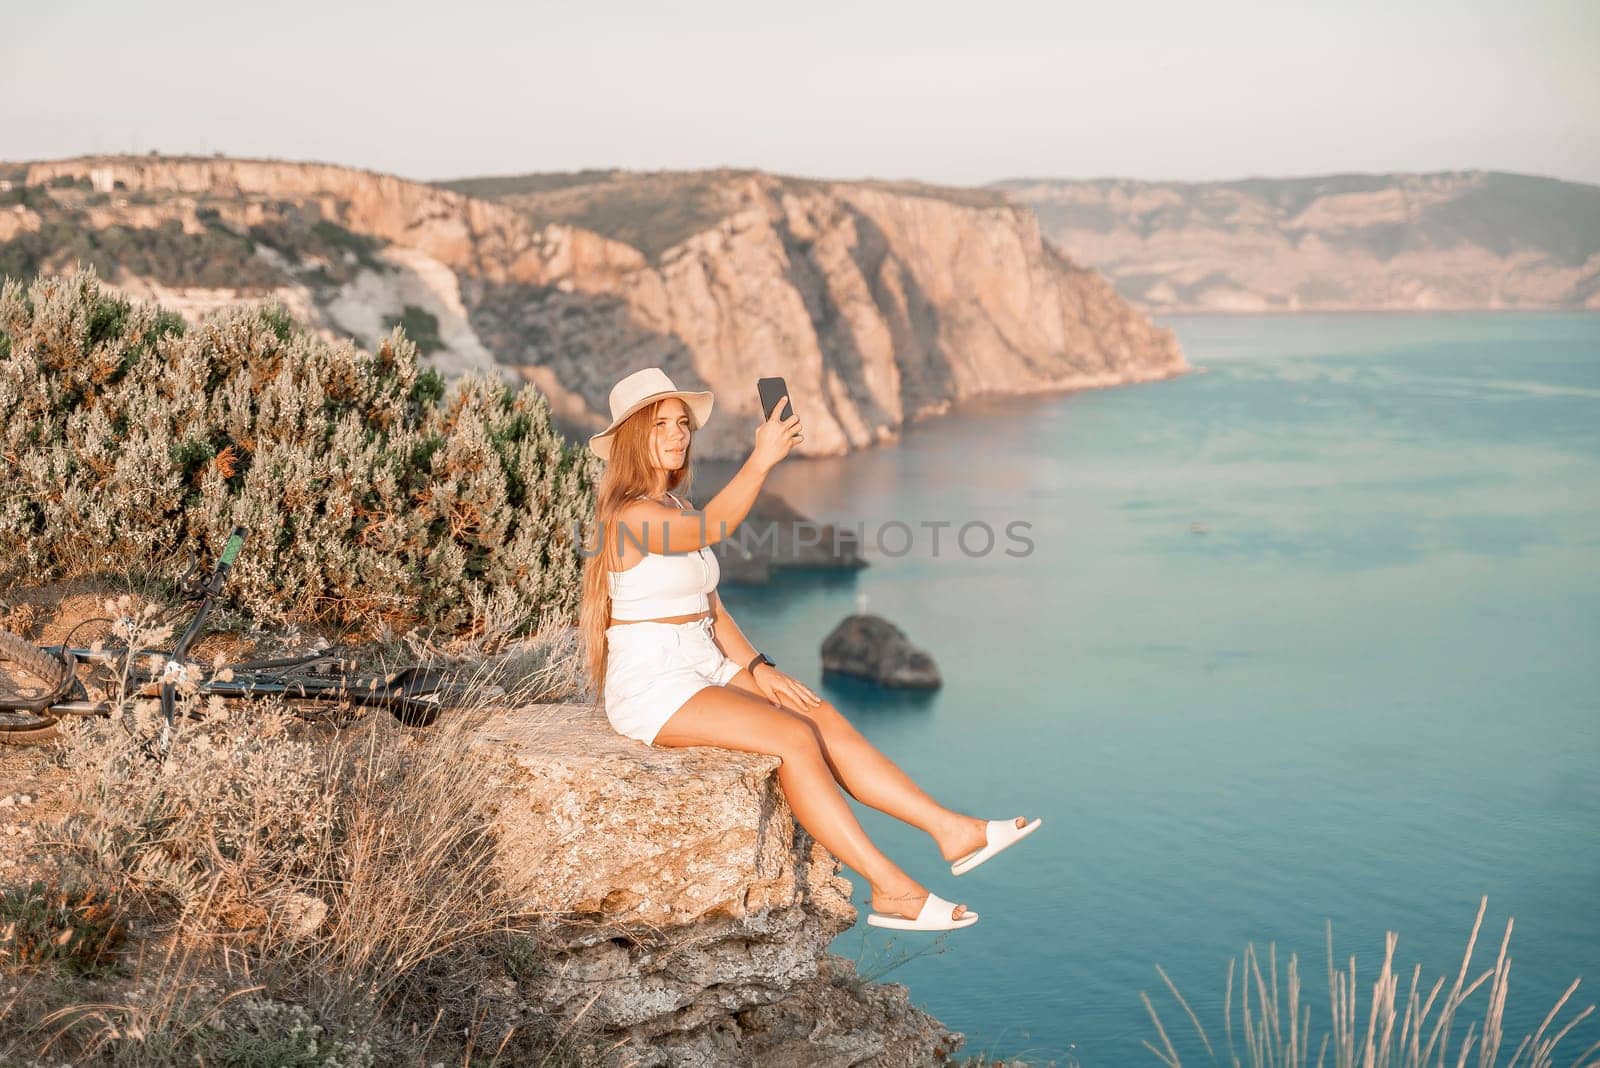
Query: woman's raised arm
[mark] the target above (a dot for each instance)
(661, 528)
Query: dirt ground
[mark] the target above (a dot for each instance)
(33, 789)
(32, 792)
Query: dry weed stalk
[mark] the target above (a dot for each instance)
(1377, 1043)
(494, 668)
(406, 868)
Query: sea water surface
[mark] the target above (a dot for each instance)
(1308, 636)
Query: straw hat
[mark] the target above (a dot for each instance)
(642, 388)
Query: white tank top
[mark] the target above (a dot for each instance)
(665, 584)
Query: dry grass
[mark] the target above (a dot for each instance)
(494, 667)
(352, 859)
(282, 891)
(289, 888)
(1387, 1037)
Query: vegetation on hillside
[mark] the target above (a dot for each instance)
(206, 246)
(1500, 212)
(656, 210)
(651, 212)
(420, 325)
(496, 187)
(213, 259)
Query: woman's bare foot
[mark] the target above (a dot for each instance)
(967, 837)
(916, 898)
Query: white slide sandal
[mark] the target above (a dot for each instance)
(1002, 834)
(933, 916)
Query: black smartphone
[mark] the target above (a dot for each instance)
(773, 390)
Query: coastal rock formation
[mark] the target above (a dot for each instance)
(1455, 240)
(688, 914)
(774, 536)
(871, 647)
(879, 303)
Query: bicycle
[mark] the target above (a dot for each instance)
(39, 685)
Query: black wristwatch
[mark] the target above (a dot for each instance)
(761, 658)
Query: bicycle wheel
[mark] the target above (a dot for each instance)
(30, 680)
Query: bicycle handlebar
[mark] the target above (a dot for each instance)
(230, 553)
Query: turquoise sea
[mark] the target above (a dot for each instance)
(1311, 635)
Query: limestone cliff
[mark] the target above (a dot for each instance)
(1456, 240)
(879, 303)
(687, 917)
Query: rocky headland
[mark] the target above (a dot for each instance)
(673, 912)
(775, 537)
(880, 303)
(1453, 240)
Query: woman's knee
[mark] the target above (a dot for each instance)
(826, 718)
(794, 737)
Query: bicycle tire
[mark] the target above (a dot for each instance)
(25, 728)
(53, 673)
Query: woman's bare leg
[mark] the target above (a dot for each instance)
(875, 780)
(730, 719)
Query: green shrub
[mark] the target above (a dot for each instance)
(333, 236)
(373, 493)
(420, 325)
(77, 927)
(340, 254)
(272, 1034)
(167, 253)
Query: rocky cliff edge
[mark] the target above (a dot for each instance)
(687, 917)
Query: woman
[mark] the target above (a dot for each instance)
(675, 669)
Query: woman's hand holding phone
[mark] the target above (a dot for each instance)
(775, 438)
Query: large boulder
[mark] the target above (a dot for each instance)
(688, 915)
(870, 647)
(774, 536)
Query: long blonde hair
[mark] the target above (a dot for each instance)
(628, 474)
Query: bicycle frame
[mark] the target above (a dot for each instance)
(410, 690)
(213, 590)
(411, 693)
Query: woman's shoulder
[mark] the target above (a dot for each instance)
(637, 502)
(671, 501)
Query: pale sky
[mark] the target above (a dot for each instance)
(961, 93)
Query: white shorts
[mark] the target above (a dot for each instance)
(652, 669)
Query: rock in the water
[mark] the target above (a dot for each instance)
(774, 535)
(871, 647)
(689, 915)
